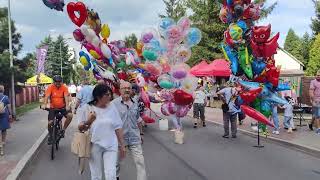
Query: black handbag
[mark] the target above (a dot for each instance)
(225, 107)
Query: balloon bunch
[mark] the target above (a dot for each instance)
(250, 50)
(165, 52)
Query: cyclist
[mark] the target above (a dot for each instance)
(59, 99)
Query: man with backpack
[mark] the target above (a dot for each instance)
(5, 116)
(229, 109)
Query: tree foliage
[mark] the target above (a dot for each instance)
(56, 58)
(315, 21)
(131, 41)
(314, 57)
(293, 44)
(175, 9)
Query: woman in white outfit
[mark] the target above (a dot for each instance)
(105, 125)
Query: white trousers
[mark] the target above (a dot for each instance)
(102, 160)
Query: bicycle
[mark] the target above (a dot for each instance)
(56, 131)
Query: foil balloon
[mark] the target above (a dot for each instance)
(85, 60)
(258, 67)
(193, 37)
(174, 34)
(106, 51)
(180, 71)
(145, 98)
(150, 54)
(129, 58)
(94, 21)
(165, 110)
(165, 81)
(182, 98)
(183, 54)
(184, 23)
(80, 8)
(251, 95)
(256, 115)
(105, 31)
(232, 56)
(78, 36)
(140, 81)
(164, 24)
(54, 4)
(108, 75)
(166, 95)
(153, 68)
(182, 111)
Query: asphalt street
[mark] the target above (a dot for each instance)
(204, 156)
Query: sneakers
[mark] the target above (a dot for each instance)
(195, 125)
(234, 136)
(225, 136)
(289, 130)
(276, 132)
(204, 124)
(318, 131)
(310, 127)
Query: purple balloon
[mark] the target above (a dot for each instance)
(147, 37)
(78, 36)
(179, 74)
(166, 95)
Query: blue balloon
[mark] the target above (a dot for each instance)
(274, 98)
(265, 106)
(243, 25)
(249, 85)
(233, 58)
(265, 92)
(165, 23)
(283, 87)
(193, 37)
(258, 67)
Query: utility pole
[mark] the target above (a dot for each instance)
(13, 94)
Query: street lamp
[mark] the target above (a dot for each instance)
(13, 94)
(61, 57)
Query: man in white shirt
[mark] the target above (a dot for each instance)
(200, 100)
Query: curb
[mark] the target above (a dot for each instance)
(302, 148)
(26, 159)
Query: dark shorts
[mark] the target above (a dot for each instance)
(53, 112)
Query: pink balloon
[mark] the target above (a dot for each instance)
(145, 98)
(78, 36)
(182, 111)
(165, 110)
(171, 107)
(166, 95)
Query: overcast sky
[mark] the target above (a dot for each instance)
(35, 21)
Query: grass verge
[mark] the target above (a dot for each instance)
(26, 108)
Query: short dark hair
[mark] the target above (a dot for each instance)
(99, 91)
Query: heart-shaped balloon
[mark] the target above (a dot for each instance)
(79, 7)
(182, 98)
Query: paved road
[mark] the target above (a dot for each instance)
(204, 156)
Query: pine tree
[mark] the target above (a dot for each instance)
(306, 44)
(315, 25)
(293, 45)
(175, 9)
(314, 61)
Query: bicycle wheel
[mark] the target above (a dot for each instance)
(58, 128)
(54, 136)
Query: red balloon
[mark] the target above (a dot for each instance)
(81, 9)
(122, 75)
(256, 115)
(182, 98)
(273, 75)
(250, 96)
(147, 119)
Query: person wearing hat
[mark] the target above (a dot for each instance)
(59, 99)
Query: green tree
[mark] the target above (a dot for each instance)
(314, 60)
(267, 10)
(293, 45)
(315, 22)
(306, 45)
(175, 9)
(55, 57)
(28, 64)
(4, 35)
(131, 41)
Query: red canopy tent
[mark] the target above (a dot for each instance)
(198, 67)
(218, 68)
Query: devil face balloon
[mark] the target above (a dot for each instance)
(261, 34)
